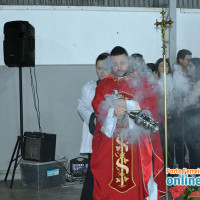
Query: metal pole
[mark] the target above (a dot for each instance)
(21, 102)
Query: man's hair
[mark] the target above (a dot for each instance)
(102, 56)
(182, 53)
(137, 55)
(116, 51)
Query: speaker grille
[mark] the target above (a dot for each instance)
(39, 146)
(32, 148)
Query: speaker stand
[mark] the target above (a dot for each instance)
(20, 143)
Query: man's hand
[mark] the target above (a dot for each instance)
(121, 103)
(120, 109)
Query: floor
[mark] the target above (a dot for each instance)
(68, 191)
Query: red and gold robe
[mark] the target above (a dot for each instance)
(122, 170)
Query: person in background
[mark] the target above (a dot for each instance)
(183, 57)
(139, 56)
(137, 62)
(88, 116)
(160, 67)
(170, 109)
(154, 69)
(126, 162)
(181, 90)
(138, 65)
(192, 113)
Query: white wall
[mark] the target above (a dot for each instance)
(59, 88)
(68, 40)
(76, 35)
(188, 21)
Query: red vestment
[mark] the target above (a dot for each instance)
(122, 170)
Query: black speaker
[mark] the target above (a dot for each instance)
(39, 146)
(19, 44)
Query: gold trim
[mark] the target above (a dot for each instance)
(130, 173)
(112, 163)
(130, 96)
(122, 92)
(126, 78)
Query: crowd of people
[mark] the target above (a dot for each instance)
(183, 103)
(126, 161)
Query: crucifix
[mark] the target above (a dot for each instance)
(163, 25)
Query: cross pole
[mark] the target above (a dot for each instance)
(163, 25)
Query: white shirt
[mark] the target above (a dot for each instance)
(85, 110)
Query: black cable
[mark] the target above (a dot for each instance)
(38, 101)
(66, 170)
(34, 99)
(71, 177)
(34, 92)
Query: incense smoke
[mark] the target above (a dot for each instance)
(178, 91)
(140, 71)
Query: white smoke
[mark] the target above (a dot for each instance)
(181, 83)
(169, 92)
(132, 134)
(105, 106)
(181, 86)
(181, 92)
(139, 66)
(106, 64)
(192, 97)
(177, 85)
(141, 71)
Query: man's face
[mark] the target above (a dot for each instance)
(184, 62)
(120, 65)
(191, 70)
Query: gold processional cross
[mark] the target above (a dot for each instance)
(163, 25)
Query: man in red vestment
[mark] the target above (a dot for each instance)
(123, 168)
